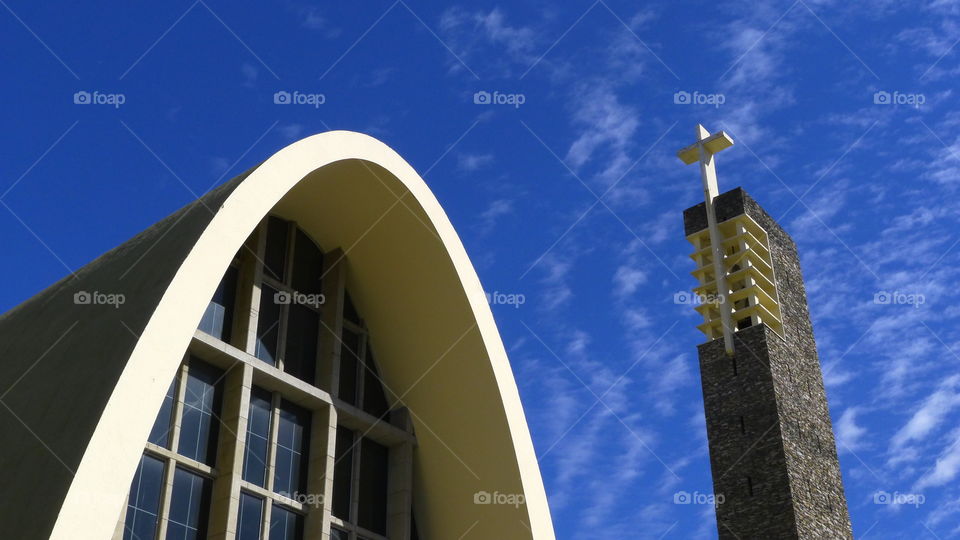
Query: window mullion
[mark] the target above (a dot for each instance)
(328, 368)
(225, 506)
(361, 368)
(256, 289)
(271, 460)
(272, 444)
(166, 494)
(178, 404)
(355, 479)
(287, 276)
(285, 309)
(282, 336)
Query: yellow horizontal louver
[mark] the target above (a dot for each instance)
(750, 277)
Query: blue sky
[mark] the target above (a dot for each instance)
(847, 132)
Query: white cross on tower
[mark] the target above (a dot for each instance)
(703, 150)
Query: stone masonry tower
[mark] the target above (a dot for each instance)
(772, 452)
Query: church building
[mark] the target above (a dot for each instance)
(303, 353)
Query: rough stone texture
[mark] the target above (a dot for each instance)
(783, 449)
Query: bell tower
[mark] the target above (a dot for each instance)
(773, 456)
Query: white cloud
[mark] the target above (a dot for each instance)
(496, 210)
(606, 127)
(946, 468)
(849, 434)
(290, 131)
(579, 340)
(472, 34)
(557, 291)
(930, 415)
(249, 73)
(312, 19)
(471, 162)
(627, 280)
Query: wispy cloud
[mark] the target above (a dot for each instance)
(491, 216)
(931, 414)
(250, 73)
(605, 129)
(505, 48)
(468, 162)
(849, 434)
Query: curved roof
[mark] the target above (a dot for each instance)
(82, 384)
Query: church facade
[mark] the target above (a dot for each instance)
(305, 352)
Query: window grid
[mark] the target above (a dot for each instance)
(251, 279)
(170, 458)
(267, 492)
(282, 286)
(361, 352)
(353, 530)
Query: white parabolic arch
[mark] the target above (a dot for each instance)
(95, 497)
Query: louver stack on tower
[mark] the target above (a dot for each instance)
(772, 452)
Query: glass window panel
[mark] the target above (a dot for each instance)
(307, 265)
(374, 399)
(285, 524)
(250, 518)
(372, 511)
(342, 472)
(258, 438)
(349, 362)
(300, 355)
(338, 534)
(218, 318)
(201, 411)
(268, 326)
(275, 254)
(291, 461)
(143, 505)
(189, 506)
(160, 433)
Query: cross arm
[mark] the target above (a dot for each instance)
(712, 144)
